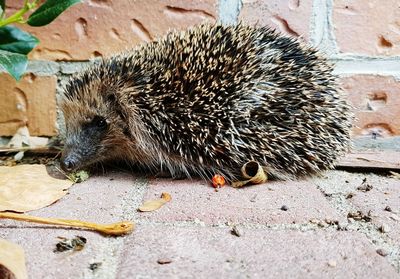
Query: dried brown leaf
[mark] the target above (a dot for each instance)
(253, 173)
(29, 187)
(152, 205)
(12, 261)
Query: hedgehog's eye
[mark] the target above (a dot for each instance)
(99, 122)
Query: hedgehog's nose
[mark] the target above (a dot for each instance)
(68, 164)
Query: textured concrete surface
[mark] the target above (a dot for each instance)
(190, 237)
(258, 204)
(215, 253)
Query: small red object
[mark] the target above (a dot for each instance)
(218, 181)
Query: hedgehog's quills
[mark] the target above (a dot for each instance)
(206, 101)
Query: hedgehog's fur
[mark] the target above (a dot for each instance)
(206, 101)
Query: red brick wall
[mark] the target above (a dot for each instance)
(361, 36)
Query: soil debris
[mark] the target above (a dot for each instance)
(95, 266)
(284, 208)
(388, 208)
(365, 187)
(359, 215)
(164, 261)
(237, 231)
(76, 244)
(382, 252)
(384, 228)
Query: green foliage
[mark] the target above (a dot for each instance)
(15, 40)
(15, 44)
(49, 11)
(14, 63)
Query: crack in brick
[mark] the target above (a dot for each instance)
(284, 25)
(81, 28)
(115, 34)
(181, 11)
(139, 29)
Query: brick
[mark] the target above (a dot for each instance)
(100, 28)
(31, 101)
(376, 24)
(193, 200)
(204, 252)
(376, 102)
(374, 160)
(291, 17)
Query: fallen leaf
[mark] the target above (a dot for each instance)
(20, 139)
(12, 261)
(253, 173)
(152, 205)
(29, 187)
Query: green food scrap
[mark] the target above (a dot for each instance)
(79, 176)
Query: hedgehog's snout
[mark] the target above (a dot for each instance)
(69, 162)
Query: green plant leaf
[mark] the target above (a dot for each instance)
(2, 7)
(47, 12)
(14, 63)
(13, 39)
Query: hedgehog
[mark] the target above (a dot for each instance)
(207, 100)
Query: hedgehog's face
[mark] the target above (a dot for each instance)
(94, 132)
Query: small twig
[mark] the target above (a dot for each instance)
(36, 150)
(120, 228)
(18, 16)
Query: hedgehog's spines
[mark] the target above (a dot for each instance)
(210, 98)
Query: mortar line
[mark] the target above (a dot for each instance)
(229, 10)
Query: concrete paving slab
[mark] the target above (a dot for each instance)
(261, 204)
(42, 262)
(107, 198)
(191, 230)
(383, 204)
(203, 252)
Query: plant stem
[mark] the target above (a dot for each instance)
(19, 15)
